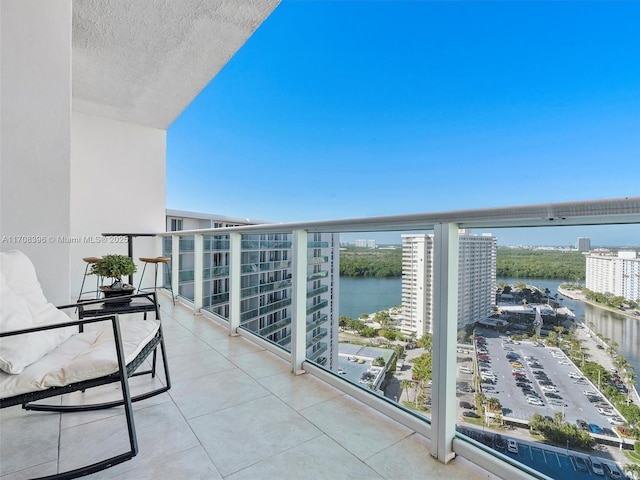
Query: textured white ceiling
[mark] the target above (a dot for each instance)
(143, 61)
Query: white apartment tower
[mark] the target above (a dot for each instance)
(618, 274)
(361, 242)
(476, 280)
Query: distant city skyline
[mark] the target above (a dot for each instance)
(534, 237)
(353, 109)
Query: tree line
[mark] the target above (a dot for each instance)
(511, 263)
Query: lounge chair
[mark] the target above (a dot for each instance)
(45, 353)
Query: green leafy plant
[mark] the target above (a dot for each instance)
(115, 267)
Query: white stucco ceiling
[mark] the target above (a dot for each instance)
(143, 61)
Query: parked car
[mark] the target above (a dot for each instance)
(512, 446)
(534, 401)
(553, 395)
(499, 442)
(612, 471)
(595, 428)
(582, 424)
(581, 464)
(596, 466)
(470, 414)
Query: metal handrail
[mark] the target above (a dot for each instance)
(594, 212)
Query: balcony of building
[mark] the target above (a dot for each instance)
(98, 83)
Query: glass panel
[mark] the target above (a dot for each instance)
(370, 318)
(166, 252)
(186, 272)
(216, 269)
(266, 286)
(543, 360)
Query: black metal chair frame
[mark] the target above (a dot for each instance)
(110, 313)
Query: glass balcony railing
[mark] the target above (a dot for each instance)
(320, 305)
(274, 327)
(318, 275)
(317, 260)
(318, 321)
(317, 291)
(428, 400)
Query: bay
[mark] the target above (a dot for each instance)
(368, 295)
(360, 295)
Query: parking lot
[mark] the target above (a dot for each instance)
(552, 461)
(528, 378)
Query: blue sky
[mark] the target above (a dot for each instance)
(337, 109)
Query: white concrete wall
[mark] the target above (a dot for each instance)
(35, 96)
(118, 178)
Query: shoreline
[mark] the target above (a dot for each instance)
(579, 296)
(595, 337)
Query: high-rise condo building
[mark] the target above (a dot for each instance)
(476, 280)
(583, 244)
(618, 275)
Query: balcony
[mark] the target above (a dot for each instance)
(236, 410)
(445, 239)
(213, 423)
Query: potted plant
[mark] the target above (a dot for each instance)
(115, 267)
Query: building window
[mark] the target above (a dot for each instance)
(176, 224)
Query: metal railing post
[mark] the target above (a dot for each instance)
(299, 301)
(445, 324)
(175, 264)
(235, 272)
(198, 265)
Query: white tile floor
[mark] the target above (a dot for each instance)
(234, 412)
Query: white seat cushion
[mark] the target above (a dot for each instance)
(87, 355)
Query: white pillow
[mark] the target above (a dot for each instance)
(16, 313)
(20, 275)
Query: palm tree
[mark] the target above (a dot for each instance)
(426, 342)
(632, 470)
(493, 403)
(629, 377)
(405, 385)
(620, 363)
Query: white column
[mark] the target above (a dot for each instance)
(445, 323)
(235, 272)
(198, 264)
(35, 118)
(299, 301)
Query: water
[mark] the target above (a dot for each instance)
(368, 295)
